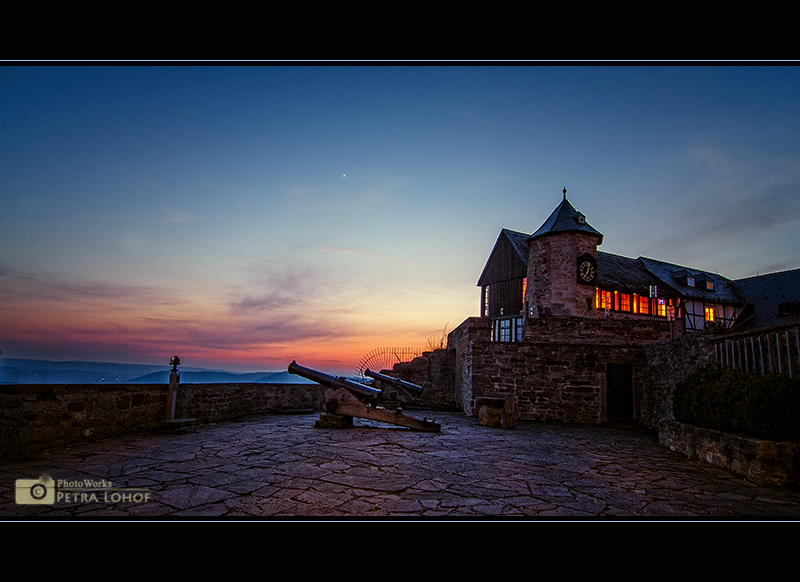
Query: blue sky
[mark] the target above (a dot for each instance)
(242, 217)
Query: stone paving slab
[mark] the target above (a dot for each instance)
(282, 467)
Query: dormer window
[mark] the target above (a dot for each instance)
(581, 219)
(705, 282)
(685, 278)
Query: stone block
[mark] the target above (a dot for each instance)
(490, 415)
(509, 416)
(327, 420)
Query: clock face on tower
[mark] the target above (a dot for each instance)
(587, 272)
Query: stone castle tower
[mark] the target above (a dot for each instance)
(562, 265)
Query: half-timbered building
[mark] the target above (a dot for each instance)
(559, 271)
(563, 325)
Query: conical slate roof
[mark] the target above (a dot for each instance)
(566, 219)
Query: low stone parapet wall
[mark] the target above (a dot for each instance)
(39, 416)
(759, 461)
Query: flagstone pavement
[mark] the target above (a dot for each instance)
(280, 467)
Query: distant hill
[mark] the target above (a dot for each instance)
(284, 378)
(214, 376)
(24, 371)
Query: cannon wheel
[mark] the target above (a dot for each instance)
(385, 358)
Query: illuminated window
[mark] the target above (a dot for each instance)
(664, 307)
(709, 313)
(710, 285)
(603, 299)
(524, 289)
(644, 304)
(624, 302)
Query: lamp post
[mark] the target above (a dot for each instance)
(174, 380)
(172, 398)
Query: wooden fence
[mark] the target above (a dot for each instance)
(766, 351)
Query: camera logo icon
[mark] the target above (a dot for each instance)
(41, 491)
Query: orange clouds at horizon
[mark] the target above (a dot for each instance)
(64, 337)
(55, 321)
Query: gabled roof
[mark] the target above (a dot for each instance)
(519, 240)
(566, 219)
(771, 295)
(627, 274)
(674, 276)
(508, 259)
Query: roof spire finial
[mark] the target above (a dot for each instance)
(564, 191)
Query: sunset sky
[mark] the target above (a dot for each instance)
(245, 216)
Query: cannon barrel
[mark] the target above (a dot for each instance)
(333, 381)
(411, 388)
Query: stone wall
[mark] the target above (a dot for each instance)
(460, 340)
(38, 416)
(616, 330)
(435, 371)
(762, 462)
(217, 402)
(559, 372)
(550, 381)
(562, 364)
(665, 364)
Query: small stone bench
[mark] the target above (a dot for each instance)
(497, 411)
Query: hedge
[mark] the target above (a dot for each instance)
(765, 407)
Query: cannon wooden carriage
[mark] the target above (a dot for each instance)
(348, 399)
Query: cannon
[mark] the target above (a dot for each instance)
(412, 389)
(349, 399)
(333, 381)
